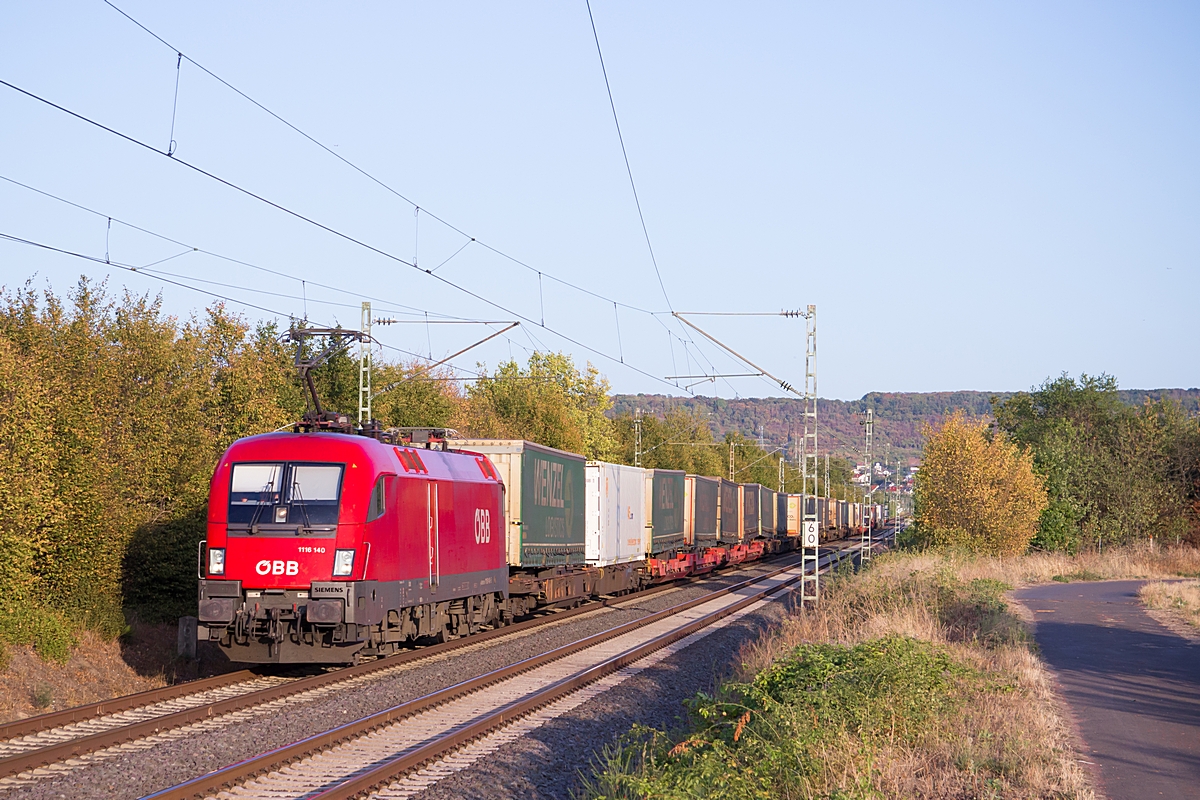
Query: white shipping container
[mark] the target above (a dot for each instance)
(616, 513)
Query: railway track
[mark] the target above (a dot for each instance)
(37, 742)
(375, 753)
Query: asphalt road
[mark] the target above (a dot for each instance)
(1132, 686)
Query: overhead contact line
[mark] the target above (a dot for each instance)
(159, 275)
(335, 232)
(418, 208)
(369, 176)
(637, 202)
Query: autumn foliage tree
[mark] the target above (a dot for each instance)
(977, 491)
(112, 415)
(549, 401)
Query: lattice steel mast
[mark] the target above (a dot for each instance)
(364, 367)
(809, 525)
(868, 511)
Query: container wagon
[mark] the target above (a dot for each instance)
(751, 526)
(782, 499)
(730, 511)
(702, 521)
(766, 511)
(665, 540)
(752, 529)
(616, 524)
(791, 514)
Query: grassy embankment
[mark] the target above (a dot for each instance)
(915, 678)
(1179, 600)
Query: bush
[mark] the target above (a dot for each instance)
(910, 679)
(766, 738)
(112, 417)
(160, 565)
(976, 492)
(49, 632)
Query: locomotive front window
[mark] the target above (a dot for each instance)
(254, 492)
(285, 498)
(314, 493)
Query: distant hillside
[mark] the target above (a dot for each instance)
(899, 416)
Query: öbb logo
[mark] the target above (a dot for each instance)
(483, 526)
(266, 567)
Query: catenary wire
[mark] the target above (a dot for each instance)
(227, 298)
(337, 233)
(633, 185)
(417, 208)
(444, 318)
(409, 309)
(364, 172)
(628, 169)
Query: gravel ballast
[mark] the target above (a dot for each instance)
(653, 696)
(549, 762)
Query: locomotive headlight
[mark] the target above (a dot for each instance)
(216, 561)
(343, 563)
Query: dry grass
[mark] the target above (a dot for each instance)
(1009, 740)
(1180, 599)
(1142, 561)
(995, 728)
(99, 669)
(95, 671)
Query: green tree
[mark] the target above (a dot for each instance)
(1114, 473)
(112, 417)
(681, 439)
(415, 397)
(549, 401)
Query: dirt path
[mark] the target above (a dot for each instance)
(1132, 685)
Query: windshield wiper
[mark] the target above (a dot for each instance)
(258, 507)
(303, 507)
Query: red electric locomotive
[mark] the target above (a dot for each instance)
(324, 546)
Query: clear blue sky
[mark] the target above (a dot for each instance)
(974, 195)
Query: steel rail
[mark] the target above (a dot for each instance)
(23, 762)
(68, 716)
(218, 780)
(115, 705)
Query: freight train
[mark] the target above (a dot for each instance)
(325, 547)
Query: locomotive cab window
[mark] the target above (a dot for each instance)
(314, 493)
(285, 498)
(378, 499)
(255, 490)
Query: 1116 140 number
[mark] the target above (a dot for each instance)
(483, 526)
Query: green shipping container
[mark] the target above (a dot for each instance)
(544, 501)
(664, 510)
